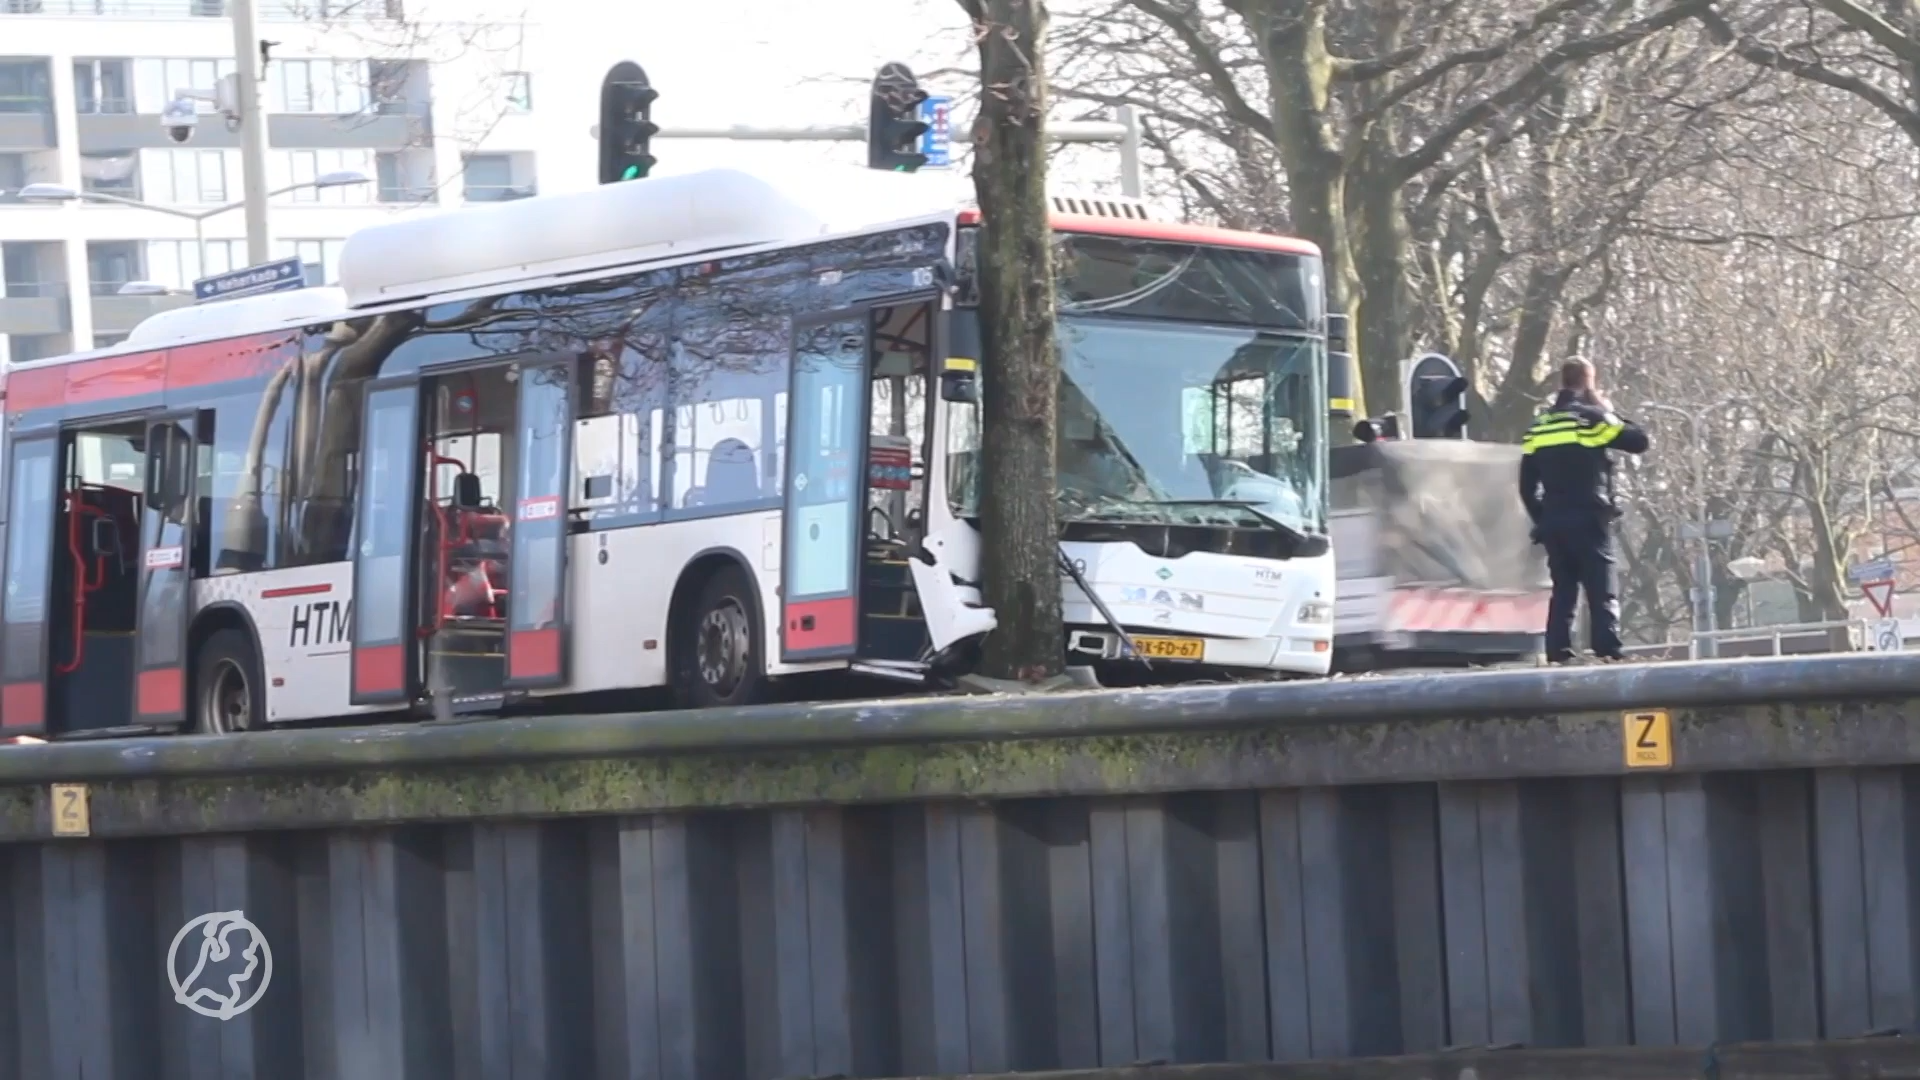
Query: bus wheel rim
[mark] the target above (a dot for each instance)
(723, 647)
(227, 705)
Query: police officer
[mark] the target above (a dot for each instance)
(1566, 482)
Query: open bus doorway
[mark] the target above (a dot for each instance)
(466, 556)
(459, 558)
(102, 520)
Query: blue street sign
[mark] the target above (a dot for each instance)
(1877, 570)
(281, 275)
(937, 142)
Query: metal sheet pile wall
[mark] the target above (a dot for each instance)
(948, 937)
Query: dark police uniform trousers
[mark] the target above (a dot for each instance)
(1566, 481)
(1580, 559)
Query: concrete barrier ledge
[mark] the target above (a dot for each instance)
(1838, 1060)
(1476, 702)
(159, 801)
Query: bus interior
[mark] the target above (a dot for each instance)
(893, 628)
(119, 562)
(468, 460)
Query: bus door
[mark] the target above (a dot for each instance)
(492, 570)
(900, 370)
(537, 645)
(165, 569)
(826, 489)
(384, 664)
(26, 606)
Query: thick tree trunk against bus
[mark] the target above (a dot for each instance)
(1019, 518)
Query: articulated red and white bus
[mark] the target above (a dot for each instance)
(703, 432)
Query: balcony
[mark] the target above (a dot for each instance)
(26, 104)
(115, 313)
(102, 132)
(33, 308)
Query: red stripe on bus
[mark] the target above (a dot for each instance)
(84, 382)
(533, 654)
(295, 590)
(1170, 231)
(381, 669)
(161, 692)
(821, 624)
(23, 705)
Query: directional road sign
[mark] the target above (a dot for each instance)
(937, 141)
(1877, 570)
(281, 275)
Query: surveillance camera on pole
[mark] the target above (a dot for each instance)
(1437, 398)
(179, 118)
(894, 126)
(626, 128)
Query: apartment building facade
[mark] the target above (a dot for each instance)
(395, 117)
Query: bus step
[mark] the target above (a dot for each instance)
(899, 671)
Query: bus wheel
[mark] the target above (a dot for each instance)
(227, 691)
(717, 657)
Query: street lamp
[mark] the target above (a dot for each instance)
(63, 193)
(1703, 612)
(1749, 570)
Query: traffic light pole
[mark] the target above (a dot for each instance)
(1124, 131)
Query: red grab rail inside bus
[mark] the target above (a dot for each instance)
(89, 568)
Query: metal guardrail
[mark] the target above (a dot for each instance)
(1858, 631)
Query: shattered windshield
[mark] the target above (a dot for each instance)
(1179, 424)
(1192, 385)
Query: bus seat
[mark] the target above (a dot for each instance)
(467, 493)
(733, 476)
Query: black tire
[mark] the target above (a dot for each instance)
(229, 693)
(717, 649)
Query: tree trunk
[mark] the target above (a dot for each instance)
(1376, 210)
(1292, 34)
(1019, 519)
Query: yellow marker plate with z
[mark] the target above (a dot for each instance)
(1648, 737)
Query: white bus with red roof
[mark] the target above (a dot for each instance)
(704, 432)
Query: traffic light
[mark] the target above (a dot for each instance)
(894, 127)
(626, 124)
(1343, 381)
(1437, 398)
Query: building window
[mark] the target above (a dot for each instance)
(26, 86)
(111, 174)
(489, 178)
(307, 166)
(405, 176)
(103, 86)
(321, 87)
(519, 91)
(387, 82)
(113, 263)
(191, 177)
(177, 263)
(321, 258)
(158, 81)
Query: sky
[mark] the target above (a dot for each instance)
(756, 62)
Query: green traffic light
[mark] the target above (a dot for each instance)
(632, 173)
